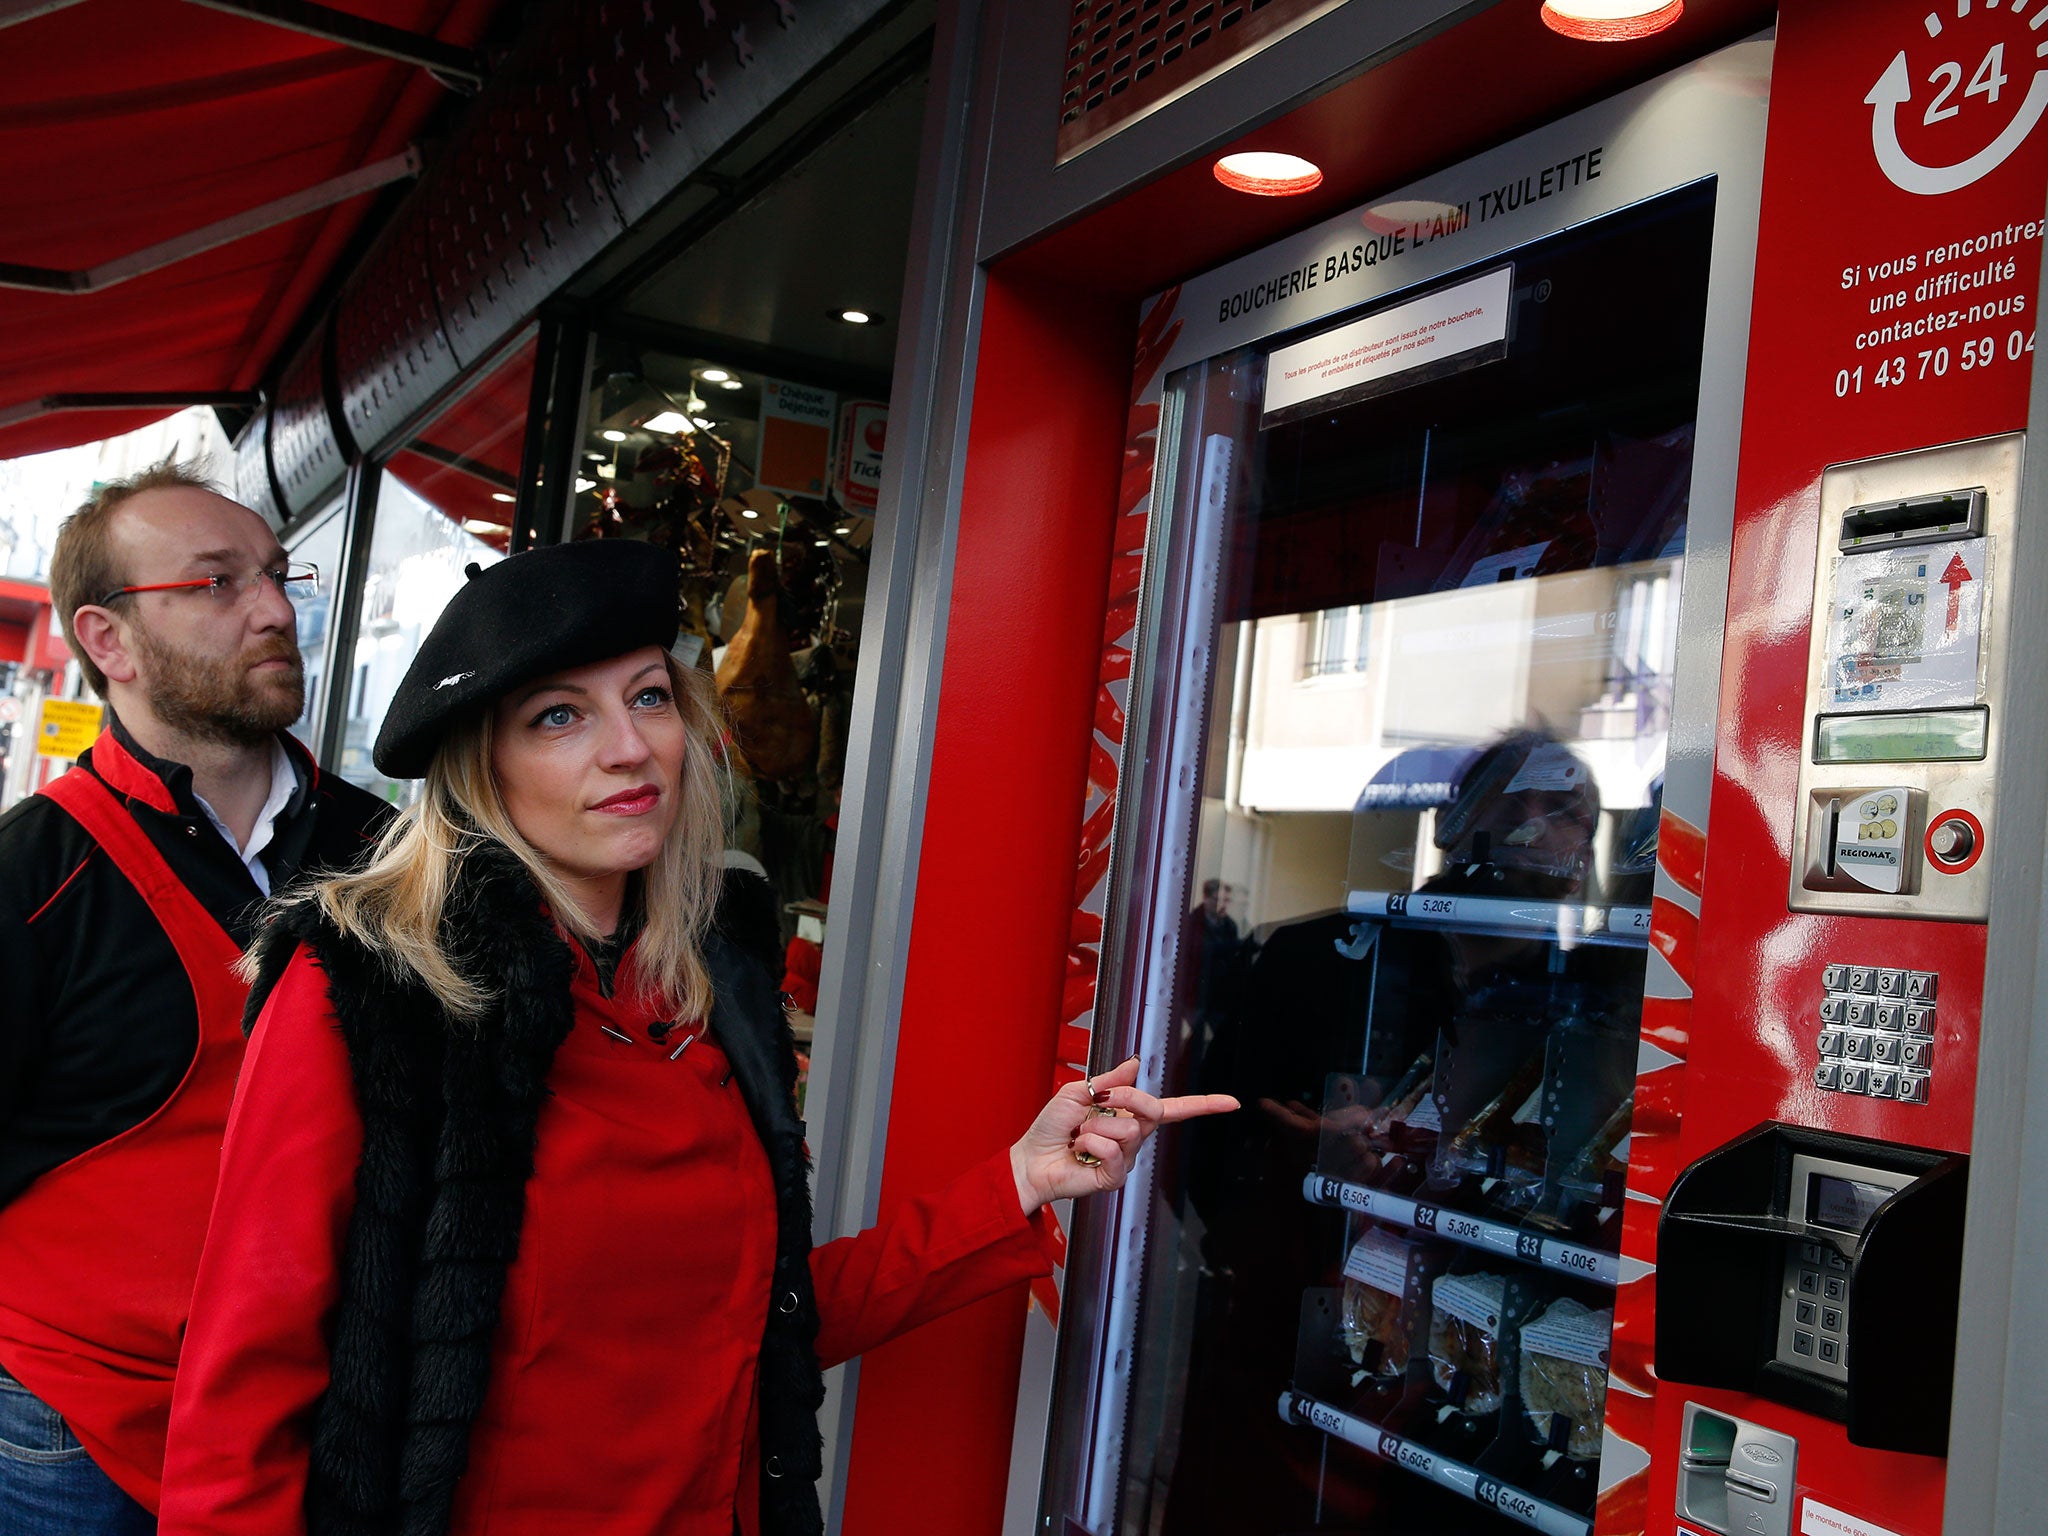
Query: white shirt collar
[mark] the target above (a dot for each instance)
(284, 782)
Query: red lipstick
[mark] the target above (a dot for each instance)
(637, 801)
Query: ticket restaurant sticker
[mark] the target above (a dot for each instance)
(1907, 627)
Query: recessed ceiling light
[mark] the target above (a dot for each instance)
(1267, 174)
(503, 496)
(843, 529)
(748, 512)
(714, 375)
(594, 456)
(824, 543)
(612, 435)
(857, 316)
(732, 384)
(667, 422)
(1610, 21)
(483, 528)
(585, 485)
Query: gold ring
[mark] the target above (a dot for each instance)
(1087, 1159)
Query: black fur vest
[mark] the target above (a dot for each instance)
(449, 1115)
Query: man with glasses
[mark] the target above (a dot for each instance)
(128, 889)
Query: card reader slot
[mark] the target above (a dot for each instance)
(1942, 515)
(1751, 1487)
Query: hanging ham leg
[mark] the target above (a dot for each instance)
(773, 727)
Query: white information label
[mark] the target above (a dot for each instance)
(1567, 1330)
(1422, 333)
(1444, 1471)
(1425, 1116)
(1817, 1519)
(1906, 630)
(1574, 1260)
(1476, 1232)
(1474, 1299)
(1379, 1259)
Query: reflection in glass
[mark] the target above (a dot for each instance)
(320, 544)
(466, 463)
(765, 489)
(445, 501)
(1415, 877)
(417, 560)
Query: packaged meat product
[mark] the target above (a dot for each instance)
(1464, 1340)
(1587, 1170)
(1483, 1143)
(1375, 1282)
(1406, 1099)
(1564, 1376)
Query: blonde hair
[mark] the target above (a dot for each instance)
(393, 904)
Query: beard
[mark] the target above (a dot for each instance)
(216, 698)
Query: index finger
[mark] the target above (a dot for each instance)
(1190, 1106)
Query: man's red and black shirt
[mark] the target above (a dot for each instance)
(97, 1019)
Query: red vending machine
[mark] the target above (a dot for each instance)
(1791, 1360)
(1557, 706)
(1429, 640)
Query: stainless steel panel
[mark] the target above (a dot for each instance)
(1993, 464)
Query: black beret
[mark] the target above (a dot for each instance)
(563, 606)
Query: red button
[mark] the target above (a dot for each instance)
(1954, 841)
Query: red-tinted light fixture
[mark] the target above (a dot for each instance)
(1610, 21)
(1266, 174)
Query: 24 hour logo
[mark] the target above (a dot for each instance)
(1979, 69)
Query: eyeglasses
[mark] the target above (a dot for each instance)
(296, 580)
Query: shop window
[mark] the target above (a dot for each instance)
(319, 541)
(445, 499)
(765, 488)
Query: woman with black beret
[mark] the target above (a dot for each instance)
(513, 1226)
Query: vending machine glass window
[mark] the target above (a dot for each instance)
(1411, 665)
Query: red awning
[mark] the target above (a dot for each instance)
(28, 629)
(466, 462)
(124, 123)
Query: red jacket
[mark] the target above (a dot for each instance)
(621, 1395)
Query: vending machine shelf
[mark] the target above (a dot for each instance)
(1444, 1471)
(1579, 922)
(1494, 1237)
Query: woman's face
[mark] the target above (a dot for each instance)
(588, 762)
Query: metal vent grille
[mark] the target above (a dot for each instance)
(305, 455)
(252, 470)
(1124, 56)
(391, 352)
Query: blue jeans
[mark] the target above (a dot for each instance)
(48, 1485)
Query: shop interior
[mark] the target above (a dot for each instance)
(732, 406)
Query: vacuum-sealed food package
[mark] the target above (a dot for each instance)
(1375, 1284)
(1409, 1115)
(1505, 1137)
(1464, 1340)
(1589, 1170)
(1564, 1375)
